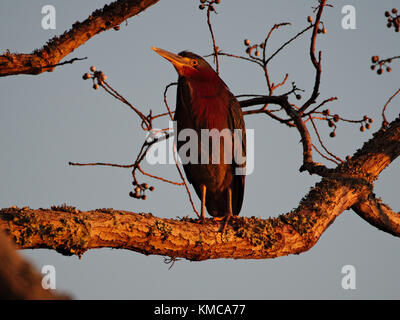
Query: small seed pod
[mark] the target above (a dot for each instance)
(151, 188)
(137, 189)
(380, 71)
(144, 197)
(362, 128)
(365, 118)
(332, 134)
(375, 59)
(373, 67)
(370, 120)
(257, 53)
(336, 118)
(86, 76)
(394, 10)
(387, 14)
(246, 42)
(93, 68)
(389, 69)
(330, 123)
(367, 126)
(95, 86)
(310, 19)
(298, 96)
(201, 7)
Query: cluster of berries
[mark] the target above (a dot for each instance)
(209, 3)
(140, 190)
(381, 64)
(250, 48)
(98, 77)
(366, 123)
(393, 19)
(333, 119)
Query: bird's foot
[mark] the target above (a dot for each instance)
(201, 220)
(217, 220)
(225, 221)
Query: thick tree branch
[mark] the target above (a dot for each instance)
(46, 58)
(378, 214)
(70, 231)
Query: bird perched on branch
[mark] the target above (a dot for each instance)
(205, 102)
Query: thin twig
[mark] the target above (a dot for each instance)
(236, 56)
(213, 38)
(184, 182)
(316, 63)
(386, 104)
(119, 97)
(157, 177)
(65, 62)
(286, 43)
(165, 98)
(321, 143)
(101, 164)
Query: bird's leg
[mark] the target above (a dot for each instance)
(203, 203)
(230, 213)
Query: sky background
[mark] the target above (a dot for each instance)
(53, 118)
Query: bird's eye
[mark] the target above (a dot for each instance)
(195, 63)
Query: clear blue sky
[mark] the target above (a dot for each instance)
(53, 118)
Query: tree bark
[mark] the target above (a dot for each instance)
(49, 56)
(349, 186)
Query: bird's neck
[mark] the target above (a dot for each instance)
(210, 103)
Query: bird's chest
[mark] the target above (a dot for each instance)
(207, 105)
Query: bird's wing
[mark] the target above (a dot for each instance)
(182, 115)
(236, 121)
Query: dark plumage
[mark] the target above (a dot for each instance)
(205, 102)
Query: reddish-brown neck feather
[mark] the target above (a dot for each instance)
(210, 101)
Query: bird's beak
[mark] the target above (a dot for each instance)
(178, 61)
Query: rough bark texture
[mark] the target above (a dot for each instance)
(70, 231)
(46, 58)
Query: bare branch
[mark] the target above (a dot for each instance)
(49, 56)
(385, 122)
(316, 63)
(378, 214)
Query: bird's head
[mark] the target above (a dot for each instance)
(188, 64)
